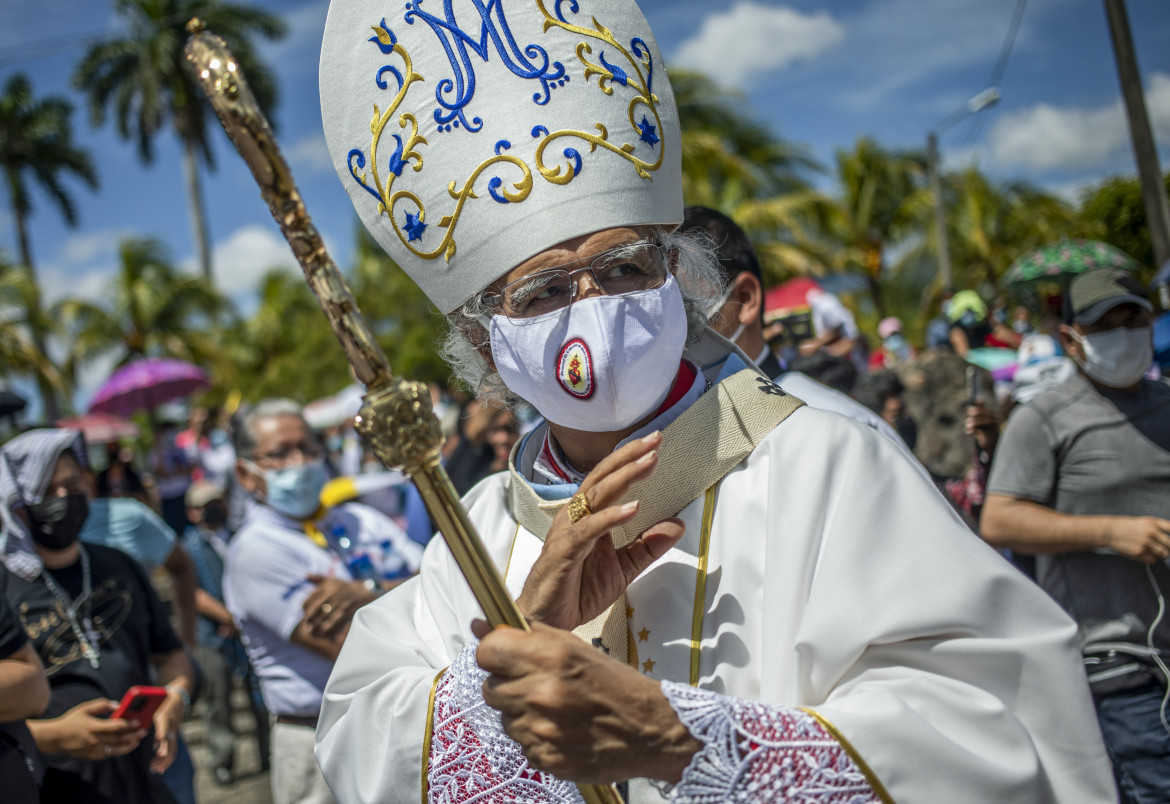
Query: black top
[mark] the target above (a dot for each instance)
(12, 637)
(976, 333)
(20, 763)
(132, 624)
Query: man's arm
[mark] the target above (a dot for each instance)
(328, 645)
(182, 571)
(329, 610)
(959, 342)
(24, 690)
(207, 606)
(1029, 527)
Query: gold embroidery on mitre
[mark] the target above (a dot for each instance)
(639, 59)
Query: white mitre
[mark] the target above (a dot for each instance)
(472, 135)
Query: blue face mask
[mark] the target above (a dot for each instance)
(296, 490)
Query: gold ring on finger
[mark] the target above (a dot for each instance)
(578, 507)
(326, 608)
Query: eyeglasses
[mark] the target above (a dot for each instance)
(625, 269)
(306, 452)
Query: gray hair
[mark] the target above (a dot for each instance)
(246, 441)
(700, 279)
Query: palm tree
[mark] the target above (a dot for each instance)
(153, 310)
(36, 143)
(144, 78)
(286, 340)
(882, 200)
(738, 165)
(990, 225)
(19, 353)
(727, 155)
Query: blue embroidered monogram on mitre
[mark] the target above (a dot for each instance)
(453, 95)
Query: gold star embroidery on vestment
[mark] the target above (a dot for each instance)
(644, 634)
(647, 665)
(629, 612)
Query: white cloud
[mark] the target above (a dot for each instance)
(245, 256)
(1072, 191)
(89, 285)
(83, 248)
(1047, 137)
(83, 266)
(897, 49)
(309, 155)
(750, 40)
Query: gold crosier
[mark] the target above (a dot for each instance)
(396, 418)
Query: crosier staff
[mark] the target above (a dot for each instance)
(396, 418)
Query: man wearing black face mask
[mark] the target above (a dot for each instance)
(218, 645)
(97, 625)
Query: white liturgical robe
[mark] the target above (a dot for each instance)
(836, 579)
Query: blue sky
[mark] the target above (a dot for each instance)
(821, 73)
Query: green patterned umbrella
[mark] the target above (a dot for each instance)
(1061, 260)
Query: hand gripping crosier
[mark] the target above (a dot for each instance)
(396, 418)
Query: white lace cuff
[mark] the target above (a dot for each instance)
(471, 758)
(757, 753)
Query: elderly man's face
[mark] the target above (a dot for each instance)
(570, 254)
(281, 442)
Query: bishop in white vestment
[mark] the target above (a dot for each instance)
(768, 603)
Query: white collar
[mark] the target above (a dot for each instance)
(550, 467)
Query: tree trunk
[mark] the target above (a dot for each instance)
(50, 405)
(198, 213)
(873, 272)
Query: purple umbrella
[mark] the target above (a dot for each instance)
(146, 384)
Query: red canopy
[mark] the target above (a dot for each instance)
(101, 428)
(789, 297)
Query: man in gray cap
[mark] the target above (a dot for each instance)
(1081, 479)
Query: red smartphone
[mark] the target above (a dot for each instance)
(139, 705)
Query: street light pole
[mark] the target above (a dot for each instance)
(987, 97)
(940, 225)
(1144, 152)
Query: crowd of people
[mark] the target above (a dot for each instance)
(258, 600)
(748, 574)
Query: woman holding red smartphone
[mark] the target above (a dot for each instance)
(98, 626)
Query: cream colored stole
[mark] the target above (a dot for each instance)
(698, 448)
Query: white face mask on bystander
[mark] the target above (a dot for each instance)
(1117, 358)
(600, 364)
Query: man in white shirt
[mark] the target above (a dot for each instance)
(293, 579)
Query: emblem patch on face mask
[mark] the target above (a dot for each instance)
(575, 369)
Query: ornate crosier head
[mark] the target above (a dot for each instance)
(474, 134)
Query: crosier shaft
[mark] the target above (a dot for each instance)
(396, 418)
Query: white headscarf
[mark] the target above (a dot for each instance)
(26, 467)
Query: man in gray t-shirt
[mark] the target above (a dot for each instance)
(1082, 479)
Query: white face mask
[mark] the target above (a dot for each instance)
(601, 364)
(1117, 358)
(717, 308)
(294, 491)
